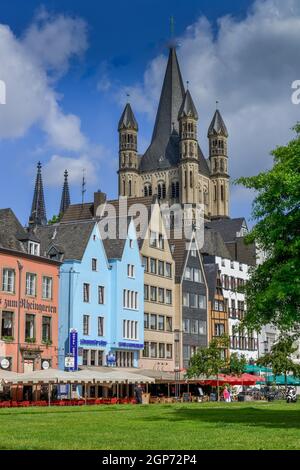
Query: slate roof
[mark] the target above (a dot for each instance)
(228, 228)
(217, 126)
(70, 240)
(188, 108)
(127, 120)
(211, 273)
(163, 151)
(78, 212)
(180, 254)
(214, 244)
(241, 252)
(11, 231)
(114, 247)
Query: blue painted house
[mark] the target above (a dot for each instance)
(101, 293)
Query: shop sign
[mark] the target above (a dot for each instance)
(45, 365)
(74, 348)
(5, 363)
(69, 362)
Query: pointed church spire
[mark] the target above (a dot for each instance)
(38, 209)
(217, 126)
(65, 197)
(188, 109)
(163, 151)
(127, 120)
(170, 100)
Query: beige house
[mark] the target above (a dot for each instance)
(159, 281)
(159, 298)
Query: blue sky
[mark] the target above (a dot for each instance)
(84, 56)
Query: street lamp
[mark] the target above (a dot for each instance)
(177, 363)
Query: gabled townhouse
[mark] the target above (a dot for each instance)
(101, 294)
(234, 265)
(217, 313)
(191, 301)
(159, 276)
(29, 311)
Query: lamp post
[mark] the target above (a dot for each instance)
(20, 268)
(177, 363)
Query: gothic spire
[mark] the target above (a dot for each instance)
(188, 109)
(65, 197)
(38, 209)
(171, 98)
(217, 126)
(128, 120)
(165, 138)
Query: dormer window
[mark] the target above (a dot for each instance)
(34, 248)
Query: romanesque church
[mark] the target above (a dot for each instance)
(174, 167)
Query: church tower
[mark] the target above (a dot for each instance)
(38, 208)
(128, 157)
(65, 197)
(218, 158)
(188, 166)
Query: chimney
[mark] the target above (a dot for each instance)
(99, 199)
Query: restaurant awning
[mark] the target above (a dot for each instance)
(244, 379)
(86, 376)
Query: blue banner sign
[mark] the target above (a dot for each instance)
(91, 342)
(131, 346)
(74, 348)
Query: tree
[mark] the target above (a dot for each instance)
(55, 220)
(280, 357)
(273, 291)
(209, 361)
(237, 364)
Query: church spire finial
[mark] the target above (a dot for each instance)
(65, 197)
(38, 208)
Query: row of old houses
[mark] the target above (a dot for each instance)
(146, 300)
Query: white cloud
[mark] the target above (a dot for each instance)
(53, 170)
(54, 40)
(30, 94)
(249, 66)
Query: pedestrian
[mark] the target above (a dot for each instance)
(226, 395)
(201, 394)
(138, 391)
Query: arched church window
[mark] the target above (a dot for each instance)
(148, 190)
(185, 150)
(185, 179)
(222, 193)
(191, 179)
(215, 192)
(222, 164)
(175, 190)
(124, 188)
(191, 148)
(161, 191)
(130, 188)
(205, 196)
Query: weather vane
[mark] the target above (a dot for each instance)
(83, 186)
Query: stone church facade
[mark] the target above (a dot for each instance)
(174, 167)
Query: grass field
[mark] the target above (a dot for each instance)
(159, 427)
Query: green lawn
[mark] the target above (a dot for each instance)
(159, 427)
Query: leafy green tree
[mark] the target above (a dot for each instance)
(237, 364)
(273, 292)
(209, 361)
(55, 220)
(280, 357)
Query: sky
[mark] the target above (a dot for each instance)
(69, 64)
